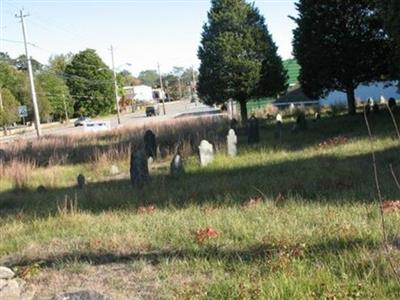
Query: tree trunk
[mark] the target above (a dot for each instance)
(351, 101)
(243, 110)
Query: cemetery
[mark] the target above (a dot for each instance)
(217, 210)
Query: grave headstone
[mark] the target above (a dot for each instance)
(301, 121)
(253, 131)
(176, 166)
(206, 151)
(392, 104)
(150, 144)
(279, 118)
(317, 116)
(382, 100)
(139, 169)
(231, 141)
(81, 180)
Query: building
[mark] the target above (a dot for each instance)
(140, 93)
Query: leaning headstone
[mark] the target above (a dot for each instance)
(231, 141)
(139, 169)
(114, 170)
(392, 104)
(82, 295)
(81, 180)
(253, 131)
(176, 166)
(150, 144)
(206, 151)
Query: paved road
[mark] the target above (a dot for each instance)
(173, 110)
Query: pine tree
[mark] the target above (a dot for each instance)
(340, 44)
(235, 48)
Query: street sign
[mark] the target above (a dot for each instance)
(23, 111)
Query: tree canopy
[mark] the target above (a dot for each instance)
(149, 77)
(238, 56)
(340, 44)
(90, 83)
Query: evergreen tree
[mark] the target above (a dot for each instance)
(234, 48)
(90, 83)
(340, 44)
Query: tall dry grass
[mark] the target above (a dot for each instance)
(184, 134)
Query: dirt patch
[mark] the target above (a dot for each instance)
(138, 280)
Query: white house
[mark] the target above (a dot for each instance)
(140, 93)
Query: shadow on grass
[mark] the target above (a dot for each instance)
(263, 251)
(323, 178)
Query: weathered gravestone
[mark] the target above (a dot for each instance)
(114, 170)
(150, 144)
(392, 104)
(253, 131)
(176, 166)
(231, 141)
(206, 151)
(81, 180)
(139, 169)
(301, 122)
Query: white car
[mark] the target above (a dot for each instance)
(82, 121)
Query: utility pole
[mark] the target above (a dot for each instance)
(180, 88)
(162, 88)
(32, 83)
(115, 85)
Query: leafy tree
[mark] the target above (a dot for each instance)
(90, 83)
(21, 64)
(57, 93)
(8, 108)
(149, 77)
(235, 44)
(340, 44)
(58, 63)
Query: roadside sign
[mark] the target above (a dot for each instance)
(23, 111)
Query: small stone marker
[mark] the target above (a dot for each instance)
(82, 295)
(139, 169)
(81, 181)
(253, 131)
(392, 104)
(150, 144)
(206, 153)
(317, 116)
(176, 166)
(279, 118)
(231, 141)
(114, 170)
(382, 100)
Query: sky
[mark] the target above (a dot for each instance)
(142, 32)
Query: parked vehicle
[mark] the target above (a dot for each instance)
(152, 110)
(82, 121)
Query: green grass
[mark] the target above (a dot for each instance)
(322, 241)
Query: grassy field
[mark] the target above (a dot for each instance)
(296, 219)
